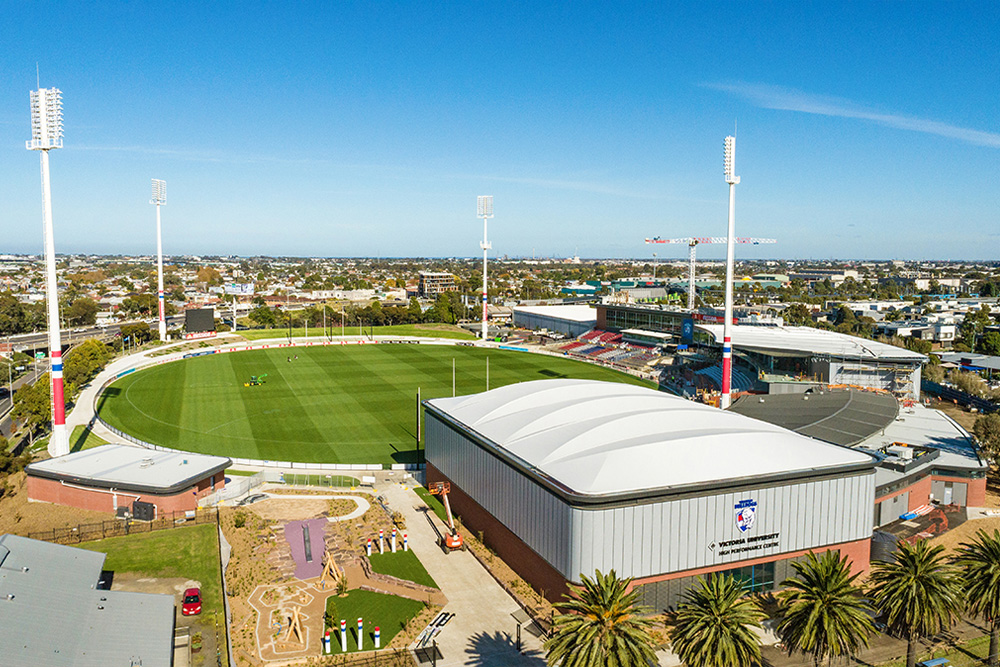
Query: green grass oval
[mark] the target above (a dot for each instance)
(334, 404)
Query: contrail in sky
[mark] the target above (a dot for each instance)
(790, 99)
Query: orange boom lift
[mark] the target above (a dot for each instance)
(452, 540)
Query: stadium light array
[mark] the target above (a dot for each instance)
(46, 134)
(158, 199)
(484, 210)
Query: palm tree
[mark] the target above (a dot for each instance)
(713, 624)
(822, 611)
(918, 593)
(979, 561)
(601, 626)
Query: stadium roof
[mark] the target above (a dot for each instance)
(572, 313)
(601, 440)
(131, 468)
(808, 340)
(53, 614)
(840, 417)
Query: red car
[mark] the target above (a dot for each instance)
(192, 602)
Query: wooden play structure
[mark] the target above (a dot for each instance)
(331, 571)
(295, 627)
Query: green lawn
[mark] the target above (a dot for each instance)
(82, 438)
(422, 330)
(433, 502)
(402, 564)
(334, 404)
(388, 612)
(191, 552)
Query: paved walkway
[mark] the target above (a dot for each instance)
(483, 630)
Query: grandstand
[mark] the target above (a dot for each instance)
(607, 347)
(740, 380)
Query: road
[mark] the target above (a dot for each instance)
(40, 339)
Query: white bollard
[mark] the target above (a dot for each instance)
(393, 540)
(406, 546)
(343, 636)
(361, 633)
(326, 643)
(377, 641)
(381, 542)
(368, 548)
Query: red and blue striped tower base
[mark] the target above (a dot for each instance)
(727, 369)
(58, 402)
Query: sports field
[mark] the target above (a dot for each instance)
(335, 404)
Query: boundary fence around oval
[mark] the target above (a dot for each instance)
(297, 465)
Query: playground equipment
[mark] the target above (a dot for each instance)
(330, 571)
(255, 380)
(295, 627)
(452, 540)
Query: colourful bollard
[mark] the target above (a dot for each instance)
(393, 540)
(326, 643)
(406, 546)
(368, 548)
(377, 641)
(343, 636)
(381, 542)
(361, 633)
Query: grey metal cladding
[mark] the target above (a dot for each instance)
(641, 540)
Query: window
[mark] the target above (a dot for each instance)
(754, 578)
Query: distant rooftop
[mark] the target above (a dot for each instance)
(131, 468)
(573, 313)
(53, 615)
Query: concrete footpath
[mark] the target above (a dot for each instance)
(483, 631)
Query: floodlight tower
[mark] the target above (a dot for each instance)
(46, 134)
(159, 199)
(727, 342)
(484, 206)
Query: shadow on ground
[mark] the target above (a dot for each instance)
(487, 650)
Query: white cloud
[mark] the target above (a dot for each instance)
(790, 99)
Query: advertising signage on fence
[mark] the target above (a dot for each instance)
(200, 334)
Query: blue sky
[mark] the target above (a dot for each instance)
(865, 129)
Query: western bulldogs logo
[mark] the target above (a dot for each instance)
(746, 514)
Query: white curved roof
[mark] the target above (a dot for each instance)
(811, 341)
(600, 438)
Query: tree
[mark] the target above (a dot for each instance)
(600, 625)
(918, 593)
(84, 362)
(933, 373)
(822, 611)
(82, 311)
(969, 382)
(979, 562)
(32, 406)
(987, 432)
(209, 276)
(990, 343)
(713, 624)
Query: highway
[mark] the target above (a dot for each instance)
(40, 339)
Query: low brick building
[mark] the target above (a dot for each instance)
(112, 476)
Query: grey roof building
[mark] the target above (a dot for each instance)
(52, 614)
